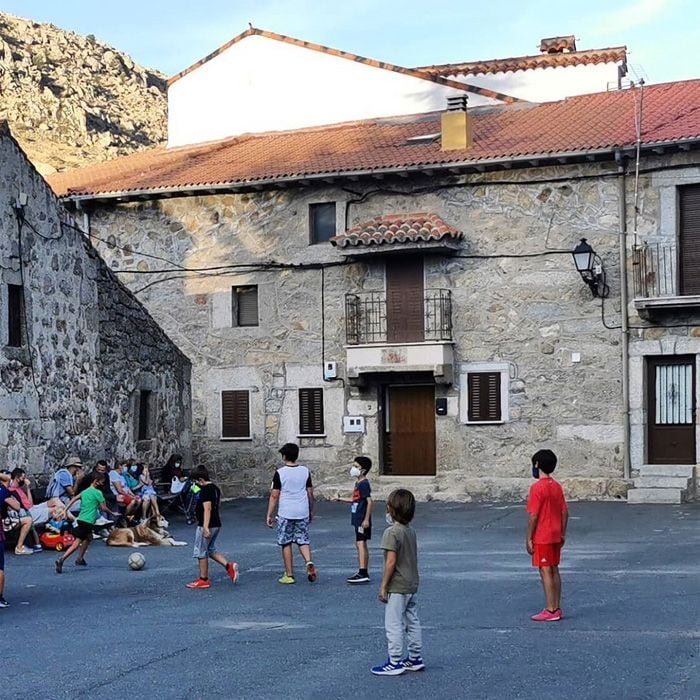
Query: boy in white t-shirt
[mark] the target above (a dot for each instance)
(292, 495)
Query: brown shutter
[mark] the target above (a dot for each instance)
(15, 314)
(689, 239)
(484, 394)
(235, 414)
(404, 300)
(310, 411)
(247, 304)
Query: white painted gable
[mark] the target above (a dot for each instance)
(262, 84)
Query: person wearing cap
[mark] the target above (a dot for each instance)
(63, 482)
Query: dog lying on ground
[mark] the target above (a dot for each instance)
(149, 533)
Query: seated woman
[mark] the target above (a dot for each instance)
(148, 494)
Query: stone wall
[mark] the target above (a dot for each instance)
(88, 345)
(530, 314)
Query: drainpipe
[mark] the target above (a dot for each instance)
(624, 323)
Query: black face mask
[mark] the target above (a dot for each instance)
(535, 472)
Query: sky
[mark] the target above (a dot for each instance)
(662, 36)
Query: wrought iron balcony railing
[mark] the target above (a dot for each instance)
(368, 321)
(655, 271)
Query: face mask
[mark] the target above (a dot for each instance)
(354, 472)
(389, 519)
(535, 473)
(177, 464)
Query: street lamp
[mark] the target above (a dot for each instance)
(590, 267)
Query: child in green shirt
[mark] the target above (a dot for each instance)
(92, 501)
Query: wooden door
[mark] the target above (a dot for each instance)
(404, 300)
(409, 430)
(671, 409)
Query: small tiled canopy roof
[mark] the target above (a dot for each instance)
(397, 228)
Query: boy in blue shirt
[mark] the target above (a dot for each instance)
(361, 515)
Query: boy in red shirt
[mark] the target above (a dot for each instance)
(546, 531)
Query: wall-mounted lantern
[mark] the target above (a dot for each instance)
(590, 267)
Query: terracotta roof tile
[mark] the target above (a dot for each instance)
(397, 228)
(517, 63)
(596, 122)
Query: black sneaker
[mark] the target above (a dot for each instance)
(4, 603)
(358, 578)
(80, 562)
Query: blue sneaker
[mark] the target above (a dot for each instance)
(389, 669)
(413, 664)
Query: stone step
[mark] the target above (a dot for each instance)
(661, 482)
(654, 496)
(685, 470)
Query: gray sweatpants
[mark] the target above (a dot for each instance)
(401, 617)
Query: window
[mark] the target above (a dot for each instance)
(484, 393)
(689, 239)
(144, 426)
(245, 305)
(311, 412)
(235, 414)
(322, 222)
(15, 315)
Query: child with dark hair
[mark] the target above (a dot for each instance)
(292, 496)
(546, 531)
(92, 501)
(399, 587)
(361, 515)
(208, 528)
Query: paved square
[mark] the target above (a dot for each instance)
(631, 580)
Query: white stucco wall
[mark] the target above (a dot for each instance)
(261, 84)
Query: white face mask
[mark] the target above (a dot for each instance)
(389, 519)
(355, 471)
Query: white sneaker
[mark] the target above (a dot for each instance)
(102, 521)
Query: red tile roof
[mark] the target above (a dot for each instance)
(547, 60)
(413, 72)
(598, 122)
(397, 228)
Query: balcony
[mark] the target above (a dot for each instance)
(658, 285)
(381, 340)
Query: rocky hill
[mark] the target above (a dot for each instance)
(71, 100)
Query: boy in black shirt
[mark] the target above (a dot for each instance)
(208, 526)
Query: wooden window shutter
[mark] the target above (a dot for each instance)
(235, 414)
(484, 394)
(689, 239)
(311, 412)
(246, 303)
(15, 315)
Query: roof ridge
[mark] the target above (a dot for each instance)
(384, 65)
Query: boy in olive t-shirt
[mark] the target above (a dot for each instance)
(399, 587)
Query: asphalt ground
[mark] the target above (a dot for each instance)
(631, 580)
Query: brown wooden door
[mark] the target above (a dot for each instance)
(404, 300)
(409, 430)
(671, 409)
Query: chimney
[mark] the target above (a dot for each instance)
(558, 44)
(456, 129)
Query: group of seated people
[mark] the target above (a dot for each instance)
(128, 489)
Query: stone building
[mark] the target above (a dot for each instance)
(85, 369)
(403, 287)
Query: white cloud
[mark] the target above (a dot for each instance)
(636, 14)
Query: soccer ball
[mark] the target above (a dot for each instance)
(137, 561)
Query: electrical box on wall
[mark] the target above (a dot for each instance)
(441, 406)
(353, 424)
(330, 370)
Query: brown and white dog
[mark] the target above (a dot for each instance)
(149, 533)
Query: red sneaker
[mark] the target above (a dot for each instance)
(547, 616)
(310, 571)
(199, 583)
(232, 571)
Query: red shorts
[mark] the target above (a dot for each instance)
(546, 554)
(126, 499)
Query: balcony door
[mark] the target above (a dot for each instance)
(404, 299)
(671, 409)
(409, 430)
